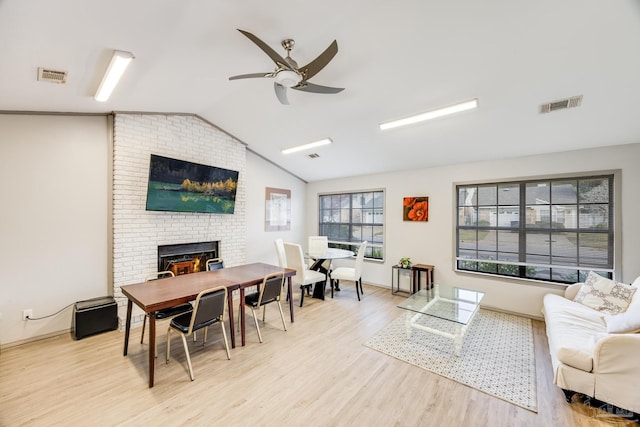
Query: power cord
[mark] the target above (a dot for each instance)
(51, 315)
(64, 308)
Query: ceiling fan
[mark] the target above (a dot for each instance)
(287, 73)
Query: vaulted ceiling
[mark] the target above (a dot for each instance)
(395, 58)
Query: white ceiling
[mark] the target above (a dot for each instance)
(395, 58)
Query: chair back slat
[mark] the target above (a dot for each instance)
(295, 260)
(271, 287)
(318, 245)
(215, 264)
(282, 257)
(209, 305)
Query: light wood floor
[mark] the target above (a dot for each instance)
(318, 373)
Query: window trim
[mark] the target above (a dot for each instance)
(615, 218)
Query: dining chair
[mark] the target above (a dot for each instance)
(282, 257)
(214, 264)
(208, 309)
(270, 291)
(350, 273)
(165, 313)
(318, 246)
(304, 277)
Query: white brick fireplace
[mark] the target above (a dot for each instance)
(137, 232)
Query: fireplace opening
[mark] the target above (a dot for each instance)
(185, 258)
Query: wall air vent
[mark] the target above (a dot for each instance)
(313, 155)
(52, 76)
(561, 104)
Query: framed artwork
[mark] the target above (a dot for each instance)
(415, 209)
(181, 186)
(277, 216)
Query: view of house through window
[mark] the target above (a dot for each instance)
(554, 229)
(351, 218)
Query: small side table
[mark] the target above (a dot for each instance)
(395, 279)
(415, 280)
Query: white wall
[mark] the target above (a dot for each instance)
(262, 174)
(434, 242)
(53, 220)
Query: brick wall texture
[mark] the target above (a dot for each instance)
(137, 232)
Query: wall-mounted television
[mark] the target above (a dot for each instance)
(181, 186)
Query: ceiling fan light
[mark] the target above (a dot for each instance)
(288, 78)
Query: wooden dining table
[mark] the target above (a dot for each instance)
(168, 292)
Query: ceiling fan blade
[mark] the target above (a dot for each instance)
(281, 93)
(310, 87)
(279, 60)
(313, 67)
(251, 76)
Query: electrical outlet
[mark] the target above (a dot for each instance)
(27, 312)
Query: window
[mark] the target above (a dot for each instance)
(351, 218)
(555, 230)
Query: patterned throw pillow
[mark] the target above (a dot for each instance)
(605, 295)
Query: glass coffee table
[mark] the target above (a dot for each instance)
(454, 307)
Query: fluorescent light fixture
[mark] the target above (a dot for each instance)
(119, 62)
(456, 108)
(307, 146)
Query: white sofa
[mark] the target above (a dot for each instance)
(586, 357)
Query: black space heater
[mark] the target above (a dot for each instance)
(93, 316)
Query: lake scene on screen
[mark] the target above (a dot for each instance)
(181, 186)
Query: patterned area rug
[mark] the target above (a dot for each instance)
(497, 357)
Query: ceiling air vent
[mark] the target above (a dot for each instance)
(313, 155)
(562, 104)
(52, 76)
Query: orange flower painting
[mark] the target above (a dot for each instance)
(415, 209)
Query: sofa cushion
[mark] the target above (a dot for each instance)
(605, 295)
(572, 290)
(623, 323)
(573, 330)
